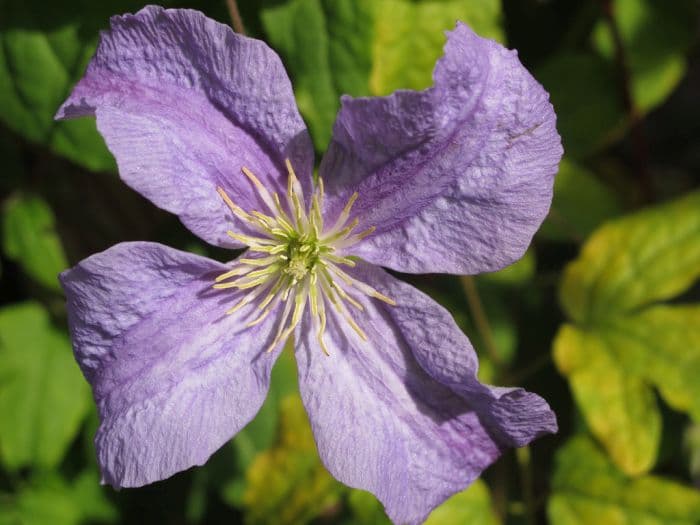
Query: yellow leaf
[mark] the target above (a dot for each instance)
(619, 407)
(588, 490)
(619, 348)
(287, 484)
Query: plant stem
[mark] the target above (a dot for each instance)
(523, 457)
(640, 145)
(236, 20)
(481, 322)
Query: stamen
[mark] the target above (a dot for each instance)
(345, 214)
(262, 191)
(293, 260)
(238, 270)
(249, 240)
(342, 233)
(364, 288)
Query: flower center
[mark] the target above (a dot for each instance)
(302, 256)
(291, 260)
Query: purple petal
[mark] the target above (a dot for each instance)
(456, 178)
(174, 378)
(403, 416)
(184, 103)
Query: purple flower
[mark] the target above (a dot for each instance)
(178, 348)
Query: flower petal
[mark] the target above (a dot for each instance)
(173, 377)
(184, 103)
(456, 178)
(403, 416)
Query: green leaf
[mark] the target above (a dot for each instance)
(41, 61)
(584, 91)
(588, 490)
(43, 397)
(472, 505)
(655, 35)
(325, 46)
(469, 506)
(409, 37)
(581, 203)
(619, 348)
(287, 484)
(366, 509)
(49, 499)
(29, 237)
(649, 256)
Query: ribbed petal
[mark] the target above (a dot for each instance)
(173, 377)
(456, 178)
(403, 415)
(184, 103)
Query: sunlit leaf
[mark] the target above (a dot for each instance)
(30, 239)
(619, 406)
(325, 45)
(649, 256)
(588, 490)
(287, 484)
(470, 506)
(409, 37)
(620, 348)
(655, 35)
(43, 397)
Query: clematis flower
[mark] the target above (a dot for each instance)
(178, 348)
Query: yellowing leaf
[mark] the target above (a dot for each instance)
(409, 36)
(588, 490)
(287, 484)
(619, 348)
(619, 407)
(626, 264)
(665, 342)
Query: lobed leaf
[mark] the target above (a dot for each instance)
(620, 348)
(645, 257)
(588, 490)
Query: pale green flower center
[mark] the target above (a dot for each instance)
(292, 261)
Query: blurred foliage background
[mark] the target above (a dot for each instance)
(601, 316)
